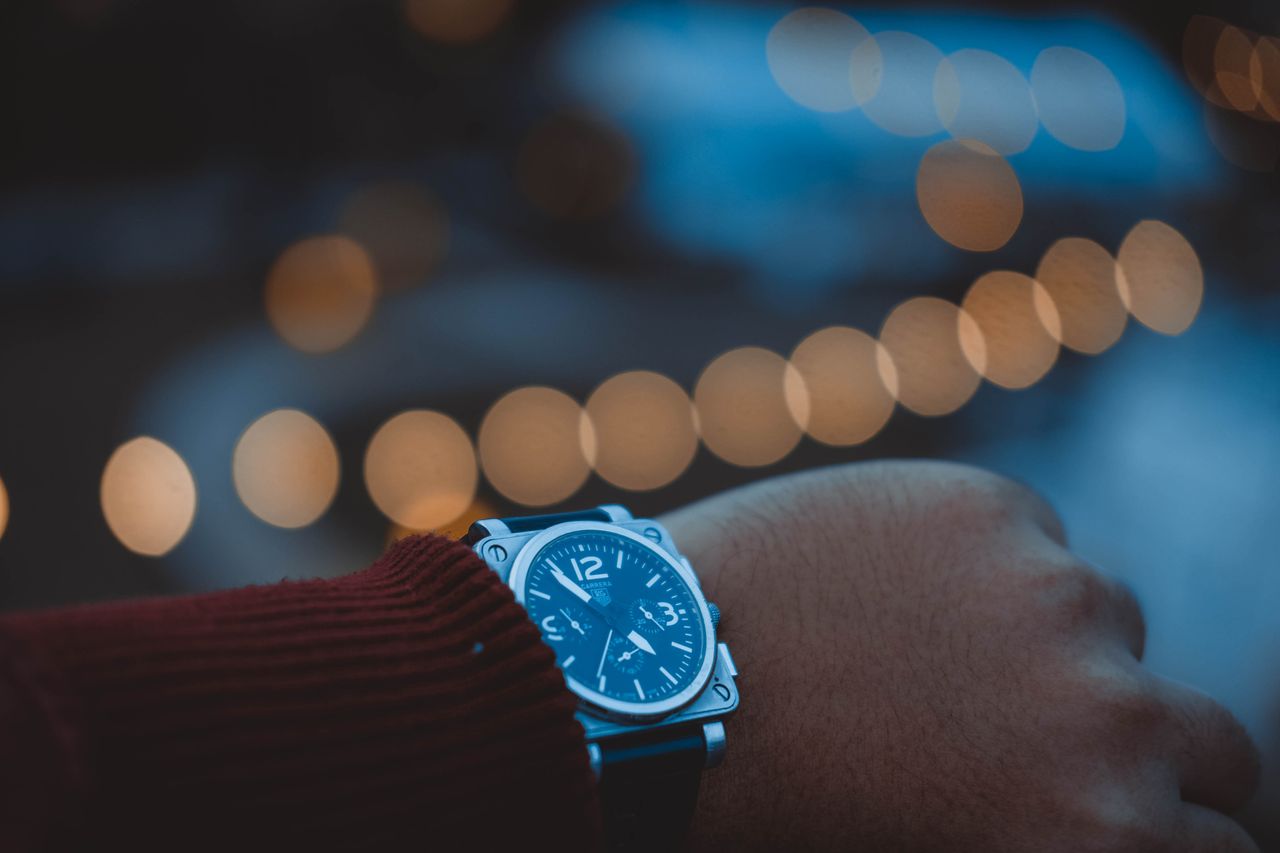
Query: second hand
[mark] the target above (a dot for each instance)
(604, 653)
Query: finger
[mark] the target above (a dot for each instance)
(1217, 761)
(1125, 615)
(1202, 830)
(1104, 606)
(1120, 605)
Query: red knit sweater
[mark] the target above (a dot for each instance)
(410, 706)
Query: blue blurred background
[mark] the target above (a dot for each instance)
(355, 210)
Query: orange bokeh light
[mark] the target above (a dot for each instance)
(851, 384)
(1019, 326)
(1264, 71)
(320, 293)
(969, 195)
(645, 434)
(1199, 54)
(4, 509)
(536, 446)
(420, 469)
(1165, 281)
(1084, 281)
(285, 468)
(1232, 61)
(938, 353)
(752, 406)
(148, 496)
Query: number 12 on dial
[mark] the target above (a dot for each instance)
(591, 568)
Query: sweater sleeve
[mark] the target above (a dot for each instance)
(410, 706)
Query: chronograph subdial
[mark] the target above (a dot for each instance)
(568, 622)
(652, 617)
(625, 656)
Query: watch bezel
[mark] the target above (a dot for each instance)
(593, 699)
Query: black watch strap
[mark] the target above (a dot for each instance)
(648, 781)
(649, 788)
(529, 523)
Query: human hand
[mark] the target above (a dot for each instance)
(925, 666)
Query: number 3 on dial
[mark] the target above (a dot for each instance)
(669, 612)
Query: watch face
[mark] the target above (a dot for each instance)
(629, 628)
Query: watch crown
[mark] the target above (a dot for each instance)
(715, 615)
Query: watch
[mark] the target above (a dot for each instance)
(636, 641)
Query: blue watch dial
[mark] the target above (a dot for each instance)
(623, 622)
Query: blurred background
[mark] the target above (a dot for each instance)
(282, 281)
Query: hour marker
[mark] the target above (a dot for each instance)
(661, 669)
(568, 662)
(651, 581)
(602, 678)
(619, 559)
(639, 689)
(539, 593)
(681, 647)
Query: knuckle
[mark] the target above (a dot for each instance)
(991, 501)
(1210, 727)
(1129, 707)
(1129, 607)
(1074, 592)
(1208, 721)
(1077, 598)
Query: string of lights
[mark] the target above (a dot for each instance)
(751, 407)
(639, 430)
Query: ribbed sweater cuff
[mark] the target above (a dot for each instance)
(409, 706)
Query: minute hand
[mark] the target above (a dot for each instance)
(571, 586)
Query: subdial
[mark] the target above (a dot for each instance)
(567, 623)
(646, 616)
(626, 656)
(576, 621)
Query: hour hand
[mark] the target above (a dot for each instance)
(640, 642)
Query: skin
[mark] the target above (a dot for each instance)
(926, 666)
